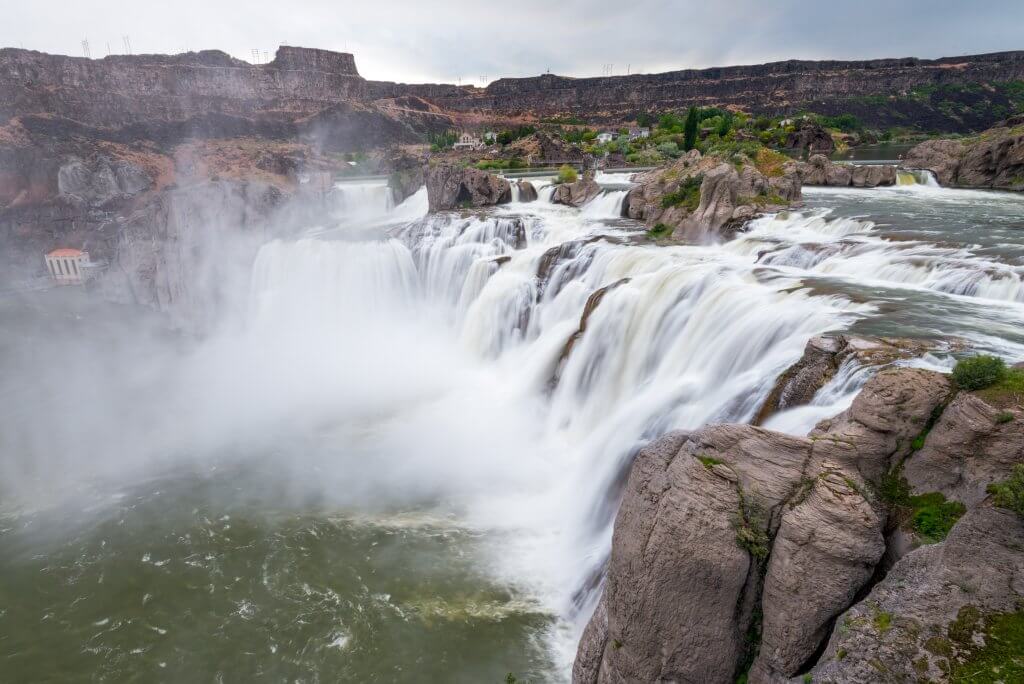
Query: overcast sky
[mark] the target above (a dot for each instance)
(445, 40)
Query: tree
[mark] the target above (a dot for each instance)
(690, 130)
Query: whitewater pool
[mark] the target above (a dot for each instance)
(389, 466)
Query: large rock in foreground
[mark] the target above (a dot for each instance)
(576, 194)
(453, 187)
(730, 522)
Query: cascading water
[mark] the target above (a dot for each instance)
(442, 433)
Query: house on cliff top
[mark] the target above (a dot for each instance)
(468, 141)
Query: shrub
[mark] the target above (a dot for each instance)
(659, 230)
(1004, 417)
(750, 524)
(1009, 493)
(566, 174)
(979, 372)
(688, 194)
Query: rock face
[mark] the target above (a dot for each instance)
(541, 148)
(932, 607)
(994, 159)
(822, 358)
(527, 193)
(971, 446)
(825, 550)
(828, 87)
(576, 194)
(726, 200)
(101, 182)
(812, 138)
(453, 187)
(819, 170)
(730, 522)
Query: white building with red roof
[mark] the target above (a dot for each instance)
(68, 266)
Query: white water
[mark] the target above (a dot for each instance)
(694, 336)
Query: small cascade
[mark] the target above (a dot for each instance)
(361, 202)
(921, 177)
(607, 205)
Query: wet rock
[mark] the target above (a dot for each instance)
(576, 194)
(452, 187)
(588, 309)
(932, 606)
(822, 357)
(972, 445)
(527, 193)
(404, 182)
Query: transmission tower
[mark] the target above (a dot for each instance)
(127, 44)
(85, 48)
(255, 56)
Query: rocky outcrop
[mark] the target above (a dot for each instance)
(730, 522)
(811, 138)
(826, 549)
(826, 87)
(934, 608)
(876, 432)
(822, 358)
(454, 187)
(527, 193)
(543, 148)
(993, 159)
(101, 181)
(576, 194)
(972, 445)
(702, 197)
(819, 170)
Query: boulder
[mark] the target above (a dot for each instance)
(527, 193)
(576, 194)
(826, 550)
(972, 445)
(822, 357)
(941, 157)
(873, 175)
(452, 187)
(892, 408)
(934, 607)
(675, 578)
(812, 138)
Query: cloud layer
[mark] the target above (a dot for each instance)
(474, 42)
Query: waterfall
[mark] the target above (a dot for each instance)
(359, 202)
(916, 177)
(689, 335)
(606, 205)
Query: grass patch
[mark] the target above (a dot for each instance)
(688, 194)
(750, 524)
(930, 515)
(979, 372)
(660, 230)
(1008, 391)
(1009, 493)
(1004, 417)
(1001, 659)
(708, 461)
(883, 621)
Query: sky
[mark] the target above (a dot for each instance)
(473, 42)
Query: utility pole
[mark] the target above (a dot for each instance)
(127, 44)
(85, 48)
(255, 56)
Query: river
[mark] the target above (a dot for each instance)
(386, 468)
